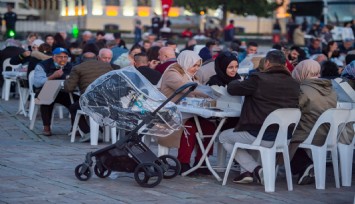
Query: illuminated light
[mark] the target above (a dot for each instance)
(97, 9)
(11, 33)
(66, 11)
(202, 13)
(111, 10)
(97, 12)
(76, 10)
(83, 10)
(75, 31)
(128, 11)
(143, 11)
(174, 12)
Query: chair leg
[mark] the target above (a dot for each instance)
(221, 155)
(34, 115)
(335, 166)
(32, 106)
(113, 135)
(6, 89)
(319, 160)
(75, 126)
(286, 157)
(162, 150)
(229, 166)
(268, 159)
(94, 132)
(346, 161)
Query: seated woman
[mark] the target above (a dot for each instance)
(127, 59)
(176, 75)
(226, 67)
(316, 96)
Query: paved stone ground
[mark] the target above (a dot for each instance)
(39, 169)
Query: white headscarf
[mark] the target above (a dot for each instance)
(187, 59)
(306, 69)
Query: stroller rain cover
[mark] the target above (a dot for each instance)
(122, 98)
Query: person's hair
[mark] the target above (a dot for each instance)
(277, 47)
(117, 35)
(153, 53)
(58, 39)
(110, 43)
(231, 21)
(102, 50)
(45, 48)
(136, 46)
(261, 66)
(276, 57)
(88, 56)
(329, 69)
(254, 44)
(169, 42)
(91, 47)
(210, 43)
(102, 33)
(48, 35)
(32, 35)
(295, 47)
(141, 59)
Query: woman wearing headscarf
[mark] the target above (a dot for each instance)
(316, 96)
(226, 67)
(176, 75)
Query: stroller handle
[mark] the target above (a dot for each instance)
(192, 86)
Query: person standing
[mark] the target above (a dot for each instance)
(229, 31)
(10, 18)
(156, 25)
(137, 30)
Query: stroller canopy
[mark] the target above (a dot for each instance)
(124, 97)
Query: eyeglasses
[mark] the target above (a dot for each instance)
(61, 56)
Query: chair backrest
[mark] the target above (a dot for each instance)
(31, 81)
(334, 117)
(9, 67)
(283, 117)
(351, 119)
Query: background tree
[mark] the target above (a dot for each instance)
(259, 8)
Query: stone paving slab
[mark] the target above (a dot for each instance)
(39, 169)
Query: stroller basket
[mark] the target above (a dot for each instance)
(123, 98)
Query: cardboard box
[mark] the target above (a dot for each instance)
(49, 92)
(225, 100)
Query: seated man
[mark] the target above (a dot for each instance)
(82, 75)
(142, 65)
(264, 92)
(56, 68)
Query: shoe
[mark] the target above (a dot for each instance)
(245, 177)
(307, 177)
(47, 131)
(85, 138)
(258, 173)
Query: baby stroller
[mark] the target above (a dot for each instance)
(127, 100)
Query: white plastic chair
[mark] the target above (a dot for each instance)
(334, 117)
(346, 153)
(94, 130)
(284, 118)
(33, 108)
(8, 79)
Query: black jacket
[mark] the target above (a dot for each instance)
(264, 92)
(152, 75)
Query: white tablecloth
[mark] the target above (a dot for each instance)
(207, 112)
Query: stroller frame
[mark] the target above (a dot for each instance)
(138, 158)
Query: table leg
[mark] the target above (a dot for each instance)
(205, 151)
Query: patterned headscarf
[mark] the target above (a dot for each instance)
(349, 70)
(306, 69)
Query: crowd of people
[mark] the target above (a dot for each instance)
(286, 77)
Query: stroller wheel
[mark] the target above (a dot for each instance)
(170, 165)
(148, 175)
(101, 172)
(83, 172)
